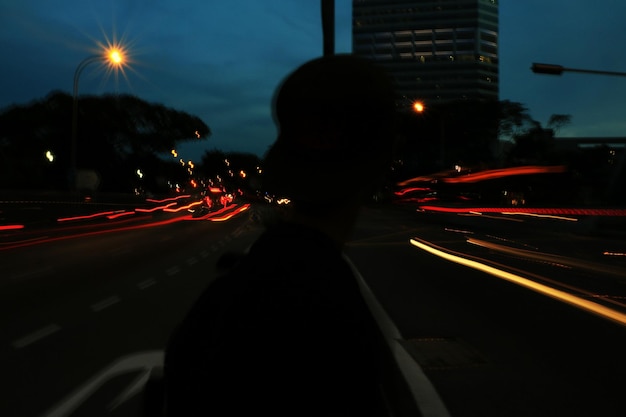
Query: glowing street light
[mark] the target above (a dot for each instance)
(418, 107)
(115, 57)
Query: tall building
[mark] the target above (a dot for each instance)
(437, 50)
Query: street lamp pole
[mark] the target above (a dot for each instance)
(554, 69)
(116, 58)
(77, 73)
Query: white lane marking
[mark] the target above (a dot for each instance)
(204, 254)
(146, 283)
(213, 248)
(120, 251)
(424, 393)
(32, 273)
(191, 261)
(172, 271)
(107, 302)
(144, 362)
(35, 336)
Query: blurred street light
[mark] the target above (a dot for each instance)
(115, 57)
(418, 107)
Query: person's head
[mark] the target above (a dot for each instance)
(334, 116)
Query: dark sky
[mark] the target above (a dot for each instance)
(221, 60)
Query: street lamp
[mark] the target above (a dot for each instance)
(115, 57)
(554, 69)
(418, 107)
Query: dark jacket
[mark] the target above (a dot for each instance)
(285, 332)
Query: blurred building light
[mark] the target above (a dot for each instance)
(50, 156)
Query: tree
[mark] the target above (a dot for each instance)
(236, 169)
(557, 121)
(464, 131)
(116, 135)
(536, 143)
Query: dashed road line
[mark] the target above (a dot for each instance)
(146, 283)
(36, 336)
(213, 248)
(204, 254)
(107, 302)
(32, 273)
(121, 251)
(192, 261)
(172, 271)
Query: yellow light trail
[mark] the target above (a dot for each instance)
(589, 306)
(230, 215)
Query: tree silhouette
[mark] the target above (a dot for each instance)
(536, 144)
(235, 169)
(464, 131)
(116, 135)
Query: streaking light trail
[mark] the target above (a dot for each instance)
(89, 216)
(488, 174)
(152, 200)
(505, 172)
(586, 305)
(549, 258)
(534, 210)
(229, 215)
(11, 226)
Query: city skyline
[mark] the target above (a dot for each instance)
(222, 62)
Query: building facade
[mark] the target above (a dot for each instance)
(437, 50)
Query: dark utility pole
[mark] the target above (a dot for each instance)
(328, 26)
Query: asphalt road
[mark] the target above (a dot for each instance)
(489, 346)
(73, 309)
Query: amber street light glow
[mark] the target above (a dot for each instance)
(116, 56)
(418, 107)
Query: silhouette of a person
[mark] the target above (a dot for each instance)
(286, 330)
